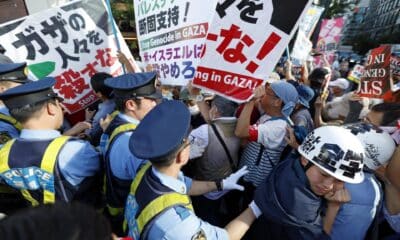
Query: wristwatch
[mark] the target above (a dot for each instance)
(218, 183)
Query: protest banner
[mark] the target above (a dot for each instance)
(71, 43)
(171, 36)
(310, 20)
(330, 33)
(375, 80)
(329, 38)
(302, 47)
(244, 43)
(395, 73)
(356, 73)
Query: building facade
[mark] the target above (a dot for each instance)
(382, 19)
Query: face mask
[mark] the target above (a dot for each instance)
(194, 110)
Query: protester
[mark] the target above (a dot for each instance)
(338, 107)
(220, 152)
(266, 138)
(291, 198)
(301, 115)
(367, 196)
(107, 106)
(385, 115)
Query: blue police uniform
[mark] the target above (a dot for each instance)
(158, 206)
(127, 164)
(120, 164)
(9, 127)
(42, 164)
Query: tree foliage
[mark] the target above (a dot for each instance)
(337, 8)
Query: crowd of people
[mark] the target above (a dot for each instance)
(304, 158)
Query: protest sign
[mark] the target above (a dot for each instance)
(71, 43)
(375, 80)
(244, 43)
(356, 73)
(171, 36)
(330, 33)
(302, 47)
(329, 38)
(395, 73)
(310, 20)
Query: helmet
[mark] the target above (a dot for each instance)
(378, 145)
(336, 151)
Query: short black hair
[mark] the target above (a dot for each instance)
(61, 221)
(168, 159)
(391, 113)
(97, 83)
(317, 77)
(121, 100)
(24, 113)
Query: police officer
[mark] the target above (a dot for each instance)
(135, 95)
(11, 75)
(158, 206)
(43, 165)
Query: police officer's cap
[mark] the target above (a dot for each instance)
(29, 93)
(162, 131)
(134, 85)
(14, 72)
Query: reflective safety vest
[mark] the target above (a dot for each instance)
(21, 169)
(10, 120)
(116, 189)
(147, 199)
(4, 137)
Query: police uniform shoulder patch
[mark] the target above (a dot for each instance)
(200, 235)
(4, 137)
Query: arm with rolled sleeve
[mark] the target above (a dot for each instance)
(243, 122)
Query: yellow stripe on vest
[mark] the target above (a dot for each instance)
(48, 162)
(4, 153)
(123, 128)
(4, 156)
(135, 185)
(114, 114)
(11, 121)
(139, 177)
(160, 204)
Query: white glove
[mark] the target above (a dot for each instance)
(196, 151)
(230, 182)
